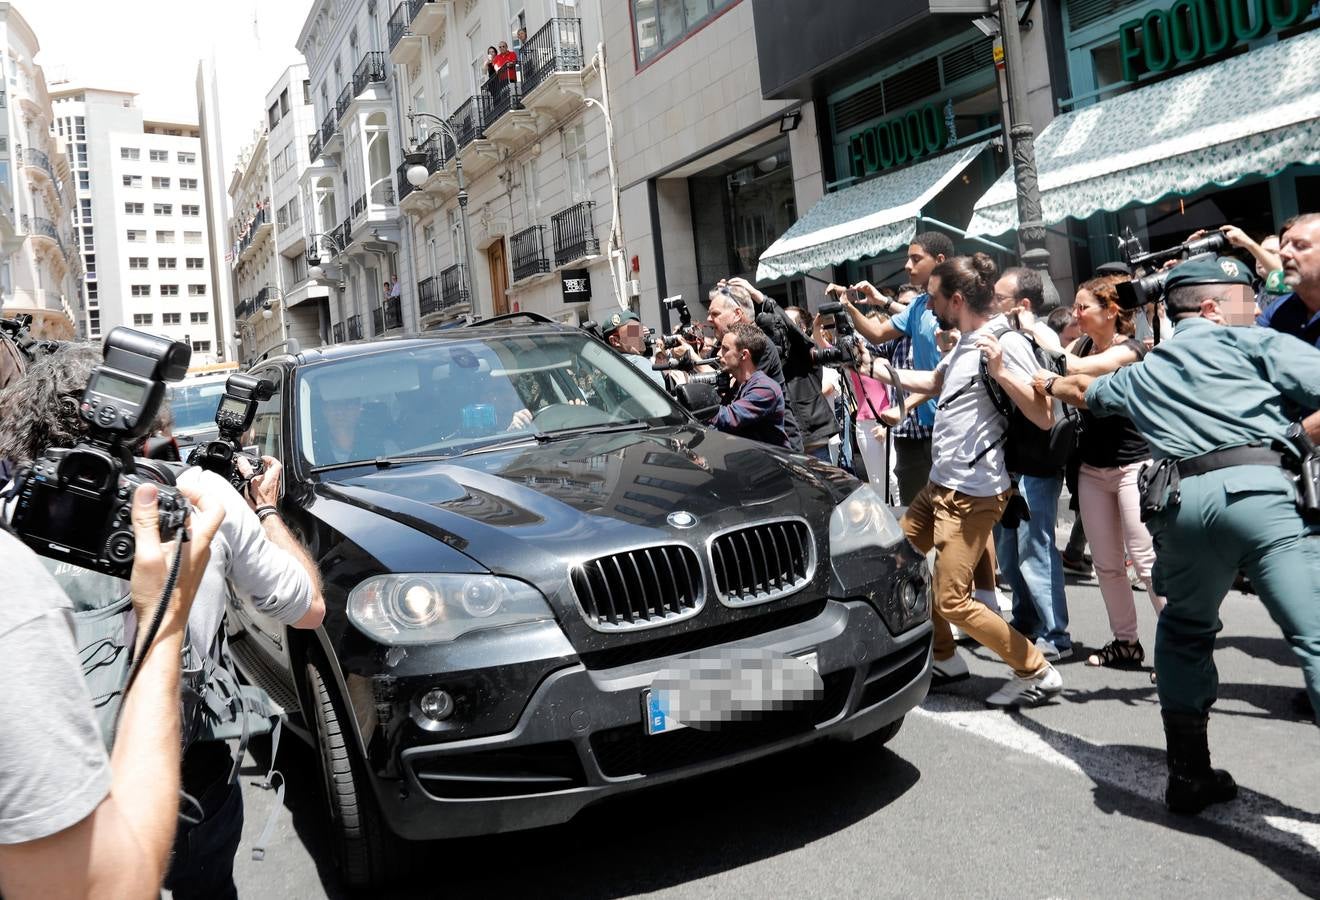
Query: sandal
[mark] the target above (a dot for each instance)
(1118, 655)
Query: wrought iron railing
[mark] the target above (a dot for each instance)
(377, 321)
(344, 102)
(36, 158)
(355, 327)
(338, 332)
(556, 47)
(469, 120)
(358, 208)
(343, 235)
(504, 94)
(329, 125)
(401, 176)
(42, 226)
(383, 194)
(371, 69)
(314, 145)
(257, 221)
(393, 309)
(453, 286)
(400, 19)
(575, 232)
(528, 250)
(244, 309)
(428, 296)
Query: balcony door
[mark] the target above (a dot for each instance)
(499, 279)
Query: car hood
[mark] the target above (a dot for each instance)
(587, 495)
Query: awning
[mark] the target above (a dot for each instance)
(1253, 114)
(866, 219)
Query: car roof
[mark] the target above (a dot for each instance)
(367, 347)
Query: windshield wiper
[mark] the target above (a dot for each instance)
(546, 437)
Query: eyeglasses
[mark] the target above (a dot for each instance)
(1083, 307)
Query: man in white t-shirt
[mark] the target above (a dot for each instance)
(969, 484)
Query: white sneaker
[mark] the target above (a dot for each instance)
(1031, 691)
(947, 671)
(1051, 652)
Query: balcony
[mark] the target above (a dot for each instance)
(371, 70)
(38, 160)
(552, 68)
(377, 322)
(453, 287)
(405, 44)
(358, 208)
(42, 228)
(527, 248)
(337, 333)
(244, 309)
(314, 144)
(575, 233)
(506, 120)
(258, 228)
(429, 18)
(469, 125)
(331, 139)
(442, 176)
(344, 102)
(393, 307)
(355, 327)
(383, 194)
(401, 177)
(428, 297)
(343, 235)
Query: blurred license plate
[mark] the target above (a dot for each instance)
(657, 718)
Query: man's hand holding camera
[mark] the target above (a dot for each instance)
(263, 488)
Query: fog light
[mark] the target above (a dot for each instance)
(910, 595)
(436, 705)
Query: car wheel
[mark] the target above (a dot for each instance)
(358, 833)
(885, 734)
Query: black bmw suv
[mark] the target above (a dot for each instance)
(520, 537)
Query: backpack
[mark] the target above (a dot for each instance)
(1029, 450)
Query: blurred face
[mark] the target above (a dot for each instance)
(628, 338)
(1300, 252)
(724, 314)
(730, 356)
(1093, 317)
(1006, 294)
(919, 264)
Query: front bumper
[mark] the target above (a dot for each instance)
(581, 737)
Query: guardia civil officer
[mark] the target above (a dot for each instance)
(1214, 404)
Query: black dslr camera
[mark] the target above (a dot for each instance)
(74, 504)
(234, 416)
(1148, 274)
(847, 346)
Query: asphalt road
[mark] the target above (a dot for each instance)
(1059, 801)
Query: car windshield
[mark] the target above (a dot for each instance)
(193, 404)
(452, 397)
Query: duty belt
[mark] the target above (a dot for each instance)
(1248, 455)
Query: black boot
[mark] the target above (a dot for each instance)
(1193, 785)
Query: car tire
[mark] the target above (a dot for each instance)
(886, 734)
(360, 839)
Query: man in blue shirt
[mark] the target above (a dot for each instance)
(1214, 404)
(756, 409)
(1298, 313)
(917, 322)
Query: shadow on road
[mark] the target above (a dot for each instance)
(648, 841)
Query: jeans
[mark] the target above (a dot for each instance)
(957, 526)
(1031, 564)
(203, 864)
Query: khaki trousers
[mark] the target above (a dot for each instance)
(958, 526)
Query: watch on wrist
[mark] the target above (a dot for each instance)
(1049, 385)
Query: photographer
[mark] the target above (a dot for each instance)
(623, 331)
(1217, 407)
(253, 554)
(1298, 313)
(74, 822)
(755, 407)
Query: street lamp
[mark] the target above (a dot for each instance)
(417, 173)
(315, 271)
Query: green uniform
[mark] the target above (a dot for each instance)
(1208, 388)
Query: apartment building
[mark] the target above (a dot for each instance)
(141, 218)
(509, 185)
(350, 206)
(40, 264)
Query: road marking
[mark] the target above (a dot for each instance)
(1142, 775)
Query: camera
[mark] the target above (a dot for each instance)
(74, 504)
(1148, 274)
(678, 304)
(234, 416)
(846, 347)
(686, 363)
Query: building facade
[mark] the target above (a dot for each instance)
(141, 218)
(40, 265)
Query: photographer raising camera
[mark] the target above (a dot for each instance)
(753, 405)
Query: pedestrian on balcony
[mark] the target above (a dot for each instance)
(491, 68)
(506, 63)
(392, 289)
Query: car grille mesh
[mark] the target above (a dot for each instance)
(760, 563)
(639, 588)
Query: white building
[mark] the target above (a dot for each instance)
(350, 209)
(141, 214)
(535, 161)
(40, 267)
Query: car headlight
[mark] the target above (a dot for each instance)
(862, 521)
(435, 608)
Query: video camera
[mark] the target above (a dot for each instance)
(74, 505)
(686, 363)
(847, 346)
(234, 416)
(1148, 274)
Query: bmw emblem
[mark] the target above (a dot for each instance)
(681, 519)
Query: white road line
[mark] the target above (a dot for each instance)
(1256, 815)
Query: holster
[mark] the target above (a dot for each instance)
(1307, 472)
(1160, 487)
